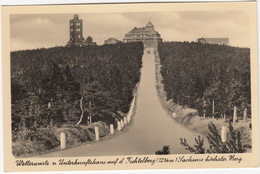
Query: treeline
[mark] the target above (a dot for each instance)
(79, 85)
(211, 78)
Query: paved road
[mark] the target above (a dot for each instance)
(151, 129)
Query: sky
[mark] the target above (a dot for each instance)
(29, 31)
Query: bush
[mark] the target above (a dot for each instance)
(43, 140)
(103, 128)
(22, 148)
(232, 145)
(35, 141)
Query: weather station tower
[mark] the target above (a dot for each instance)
(76, 32)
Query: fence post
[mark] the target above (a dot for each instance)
(97, 133)
(62, 140)
(111, 129)
(245, 114)
(235, 114)
(224, 133)
(119, 125)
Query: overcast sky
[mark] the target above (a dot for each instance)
(47, 30)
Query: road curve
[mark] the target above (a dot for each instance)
(151, 129)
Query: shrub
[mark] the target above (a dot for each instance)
(232, 145)
(42, 140)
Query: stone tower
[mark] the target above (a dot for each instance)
(76, 33)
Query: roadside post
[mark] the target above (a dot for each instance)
(119, 125)
(111, 129)
(224, 132)
(62, 140)
(97, 133)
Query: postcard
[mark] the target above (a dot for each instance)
(130, 86)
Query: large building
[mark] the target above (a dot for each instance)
(146, 34)
(76, 33)
(220, 41)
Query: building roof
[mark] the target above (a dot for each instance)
(112, 40)
(76, 19)
(149, 28)
(223, 40)
(149, 24)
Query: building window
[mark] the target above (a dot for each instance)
(71, 24)
(71, 29)
(78, 36)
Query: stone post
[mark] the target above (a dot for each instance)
(97, 133)
(122, 123)
(111, 129)
(125, 122)
(119, 125)
(224, 133)
(62, 140)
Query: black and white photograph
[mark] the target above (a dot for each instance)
(157, 85)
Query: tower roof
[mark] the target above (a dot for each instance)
(76, 16)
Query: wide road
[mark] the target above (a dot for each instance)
(151, 129)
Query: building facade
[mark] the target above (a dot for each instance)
(147, 35)
(220, 41)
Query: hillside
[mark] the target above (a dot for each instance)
(71, 86)
(196, 75)
(200, 84)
